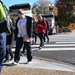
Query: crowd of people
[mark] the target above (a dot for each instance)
(27, 29)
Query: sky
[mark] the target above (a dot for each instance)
(10, 2)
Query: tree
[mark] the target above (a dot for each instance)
(41, 7)
(65, 11)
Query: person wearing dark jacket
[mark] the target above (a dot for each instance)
(46, 33)
(9, 35)
(23, 32)
(34, 31)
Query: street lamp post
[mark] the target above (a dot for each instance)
(51, 8)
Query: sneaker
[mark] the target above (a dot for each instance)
(48, 40)
(44, 43)
(21, 54)
(39, 47)
(28, 62)
(15, 63)
(11, 58)
(6, 61)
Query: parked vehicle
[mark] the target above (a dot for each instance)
(13, 10)
(51, 22)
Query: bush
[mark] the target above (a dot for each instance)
(66, 29)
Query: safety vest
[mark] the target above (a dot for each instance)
(8, 33)
(3, 22)
(2, 12)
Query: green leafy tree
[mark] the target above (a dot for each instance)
(65, 11)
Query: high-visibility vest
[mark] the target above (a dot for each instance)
(3, 22)
(8, 33)
(2, 12)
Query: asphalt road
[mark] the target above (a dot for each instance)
(64, 53)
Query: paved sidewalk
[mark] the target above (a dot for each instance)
(38, 67)
(41, 64)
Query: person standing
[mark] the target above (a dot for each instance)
(3, 29)
(41, 26)
(54, 30)
(24, 25)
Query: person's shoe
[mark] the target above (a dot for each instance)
(44, 43)
(21, 54)
(48, 40)
(11, 58)
(28, 62)
(40, 47)
(35, 43)
(15, 63)
(6, 61)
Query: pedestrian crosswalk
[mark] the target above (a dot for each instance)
(55, 46)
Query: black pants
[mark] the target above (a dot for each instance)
(28, 48)
(46, 36)
(41, 36)
(35, 37)
(8, 52)
(23, 51)
(19, 43)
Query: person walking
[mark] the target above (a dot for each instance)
(46, 33)
(3, 29)
(24, 25)
(9, 35)
(23, 52)
(41, 26)
(34, 31)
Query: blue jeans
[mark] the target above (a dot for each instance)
(2, 48)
